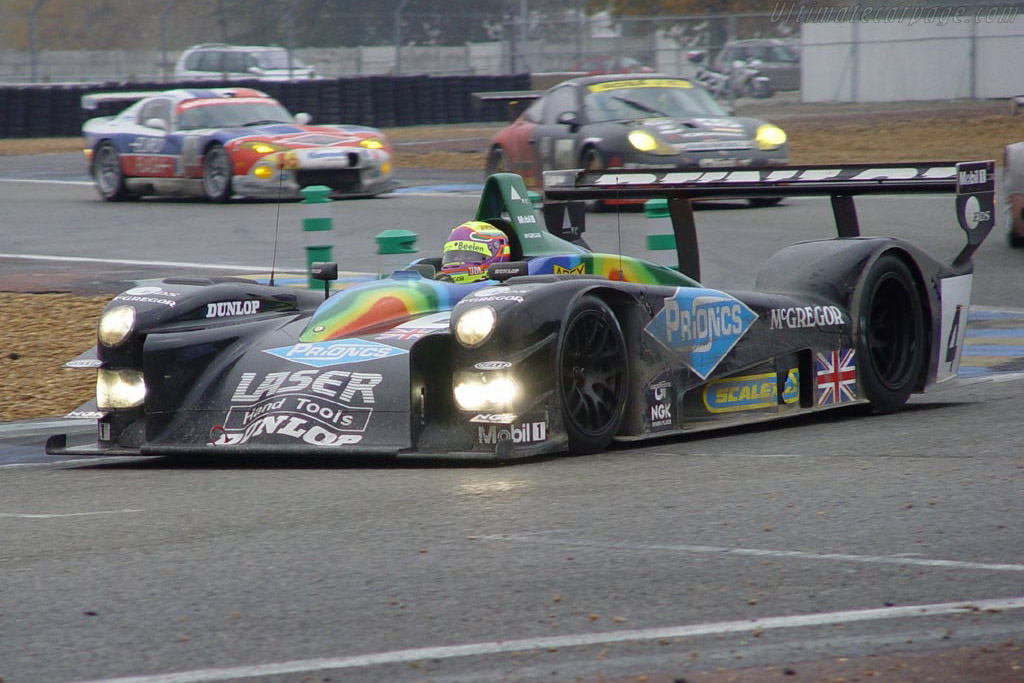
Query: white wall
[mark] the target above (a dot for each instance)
(882, 62)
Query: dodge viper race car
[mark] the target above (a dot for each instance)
(631, 121)
(561, 349)
(220, 142)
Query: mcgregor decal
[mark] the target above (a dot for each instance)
(836, 377)
(527, 432)
(338, 352)
(806, 316)
(149, 295)
(750, 392)
(223, 309)
(321, 409)
(701, 324)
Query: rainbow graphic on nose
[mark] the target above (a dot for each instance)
(380, 305)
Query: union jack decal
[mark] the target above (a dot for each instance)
(837, 377)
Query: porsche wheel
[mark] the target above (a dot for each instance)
(891, 334)
(592, 159)
(108, 174)
(593, 375)
(217, 174)
(496, 161)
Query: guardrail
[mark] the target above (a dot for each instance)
(54, 110)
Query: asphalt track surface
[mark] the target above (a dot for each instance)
(809, 541)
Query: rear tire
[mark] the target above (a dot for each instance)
(217, 173)
(890, 334)
(108, 174)
(593, 375)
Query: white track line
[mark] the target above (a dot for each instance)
(83, 183)
(55, 515)
(553, 642)
(133, 262)
(757, 552)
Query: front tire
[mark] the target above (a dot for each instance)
(593, 375)
(108, 174)
(890, 334)
(217, 174)
(497, 162)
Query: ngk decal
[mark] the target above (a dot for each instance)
(526, 432)
(659, 401)
(321, 409)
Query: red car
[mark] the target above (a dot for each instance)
(221, 142)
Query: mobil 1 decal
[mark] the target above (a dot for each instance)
(701, 325)
(319, 408)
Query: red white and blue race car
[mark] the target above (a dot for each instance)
(221, 142)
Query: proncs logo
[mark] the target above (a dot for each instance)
(338, 352)
(701, 324)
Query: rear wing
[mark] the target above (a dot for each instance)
(517, 100)
(972, 181)
(93, 101)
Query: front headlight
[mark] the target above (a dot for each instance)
(371, 143)
(487, 392)
(262, 147)
(646, 142)
(475, 325)
(115, 325)
(119, 389)
(770, 136)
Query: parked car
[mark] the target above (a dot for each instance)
(219, 62)
(777, 59)
(610, 64)
(632, 121)
(1013, 192)
(221, 142)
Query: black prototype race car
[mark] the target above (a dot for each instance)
(562, 349)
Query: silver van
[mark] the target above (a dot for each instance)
(219, 62)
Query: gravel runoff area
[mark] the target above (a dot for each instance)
(37, 386)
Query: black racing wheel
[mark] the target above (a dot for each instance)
(890, 334)
(593, 375)
(497, 162)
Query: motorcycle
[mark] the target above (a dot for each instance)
(742, 80)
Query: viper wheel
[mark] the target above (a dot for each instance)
(108, 174)
(891, 334)
(497, 162)
(217, 174)
(593, 375)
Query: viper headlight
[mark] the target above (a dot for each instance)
(475, 325)
(263, 172)
(646, 142)
(115, 325)
(486, 392)
(770, 136)
(261, 147)
(371, 143)
(119, 389)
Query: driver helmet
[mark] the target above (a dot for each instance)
(470, 249)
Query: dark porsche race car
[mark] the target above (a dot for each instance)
(221, 142)
(561, 349)
(630, 121)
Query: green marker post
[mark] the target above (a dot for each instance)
(317, 220)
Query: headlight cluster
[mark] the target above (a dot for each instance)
(770, 137)
(648, 142)
(263, 147)
(486, 392)
(475, 325)
(119, 389)
(371, 143)
(115, 325)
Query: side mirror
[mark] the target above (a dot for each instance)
(568, 118)
(302, 118)
(156, 123)
(327, 271)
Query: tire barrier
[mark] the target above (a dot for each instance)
(54, 110)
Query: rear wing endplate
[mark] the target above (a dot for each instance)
(972, 181)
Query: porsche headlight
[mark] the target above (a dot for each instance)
(770, 136)
(475, 325)
(115, 325)
(119, 389)
(371, 143)
(487, 392)
(648, 142)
